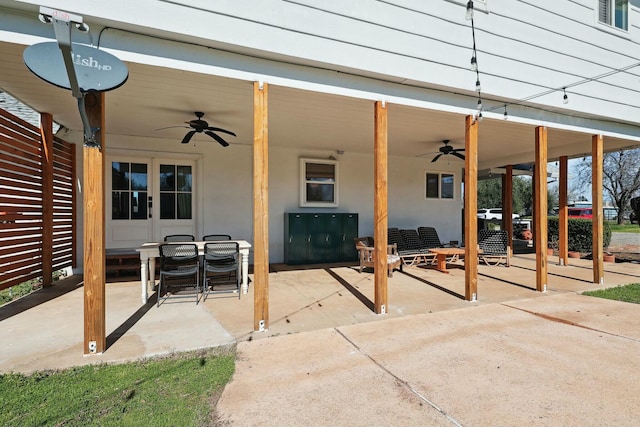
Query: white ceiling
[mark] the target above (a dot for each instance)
(156, 97)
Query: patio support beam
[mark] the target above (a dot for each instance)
(507, 204)
(260, 207)
(597, 159)
(471, 209)
(540, 208)
(380, 206)
(46, 134)
(94, 234)
(563, 215)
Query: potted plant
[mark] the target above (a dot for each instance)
(552, 246)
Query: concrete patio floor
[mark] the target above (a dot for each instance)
(45, 329)
(514, 357)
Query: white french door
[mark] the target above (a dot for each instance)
(148, 199)
(173, 197)
(128, 216)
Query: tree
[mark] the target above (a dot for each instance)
(620, 177)
(490, 194)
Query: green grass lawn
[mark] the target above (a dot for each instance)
(176, 391)
(624, 228)
(627, 293)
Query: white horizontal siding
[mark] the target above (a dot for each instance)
(525, 47)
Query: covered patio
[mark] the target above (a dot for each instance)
(383, 127)
(302, 300)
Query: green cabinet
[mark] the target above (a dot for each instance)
(314, 238)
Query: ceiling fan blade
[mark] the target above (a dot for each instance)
(458, 155)
(188, 136)
(228, 132)
(436, 157)
(217, 138)
(457, 150)
(170, 127)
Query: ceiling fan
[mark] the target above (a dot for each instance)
(446, 149)
(200, 126)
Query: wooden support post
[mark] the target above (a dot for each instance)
(471, 209)
(46, 135)
(94, 234)
(540, 208)
(507, 204)
(260, 207)
(597, 158)
(563, 215)
(380, 206)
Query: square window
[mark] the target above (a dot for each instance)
(318, 183)
(439, 185)
(614, 13)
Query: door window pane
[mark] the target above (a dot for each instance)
(126, 202)
(176, 186)
(184, 178)
(119, 176)
(139, 176)
(138, 204)
(119, 205)
(184, 205)
(167, 178)
(167, 206)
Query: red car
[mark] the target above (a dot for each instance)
(584, 213)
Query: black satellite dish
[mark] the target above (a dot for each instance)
(96, 70)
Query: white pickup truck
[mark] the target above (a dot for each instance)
(495, 213)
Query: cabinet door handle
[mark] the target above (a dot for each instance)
(326, 238)
(309, 238)
(290, 238)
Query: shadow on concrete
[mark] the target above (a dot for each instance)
(349, 287)
(132, 320)
(435, 285)
(41, 296)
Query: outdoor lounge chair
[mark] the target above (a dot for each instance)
(430, 239)
(365, 248)
(495, 248)
(410, 248)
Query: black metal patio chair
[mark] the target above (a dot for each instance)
(179, 268)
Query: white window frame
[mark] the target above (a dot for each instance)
(440, 174)
(303, 184)
(610, 24)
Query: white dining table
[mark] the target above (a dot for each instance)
(150, 251)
